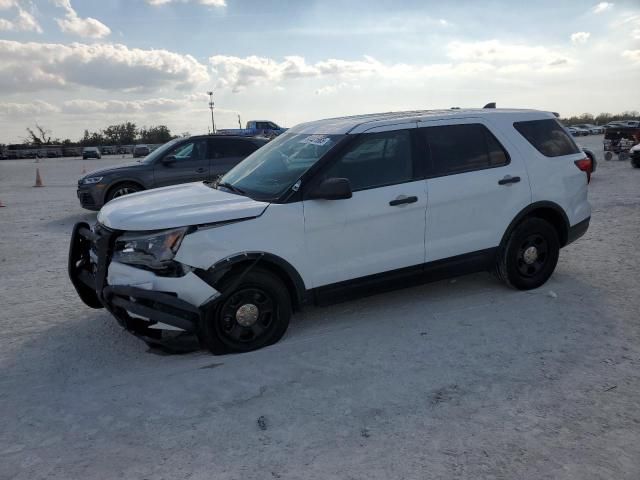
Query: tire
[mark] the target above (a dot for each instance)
(122, 189)
(261, 300)
(539, 239)
(635, 163)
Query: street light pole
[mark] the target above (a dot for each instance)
(213, 122)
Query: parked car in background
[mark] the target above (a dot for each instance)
(592, 129)
(141, 151)
(632, 123)
(91, 152)
(198, 158)
(580, 131)
(230, 261)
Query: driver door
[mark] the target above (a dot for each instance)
(382, 227)
(186, 162)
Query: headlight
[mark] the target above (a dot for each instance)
(90, 180)
(153, 250)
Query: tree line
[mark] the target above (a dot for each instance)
(600, 119)
(120, 134)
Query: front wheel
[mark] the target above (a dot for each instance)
(530, 254)
(254, 315)
(122, 189)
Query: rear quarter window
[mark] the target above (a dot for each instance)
(548, 137)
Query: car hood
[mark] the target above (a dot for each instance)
(177, 206)
(102, 171)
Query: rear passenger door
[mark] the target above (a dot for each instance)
(226, 153)
(476, 186)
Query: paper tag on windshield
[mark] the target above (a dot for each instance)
(319, 140)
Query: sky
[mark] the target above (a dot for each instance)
(71, 65)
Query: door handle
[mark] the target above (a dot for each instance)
(508, 179)
(402, 200)
(201, 170)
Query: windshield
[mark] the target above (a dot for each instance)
(271, 170)
(158, 152)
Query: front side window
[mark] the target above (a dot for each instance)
(548, 137)
(376, 160)
(272, 169)
(463, 148)
(189, 151)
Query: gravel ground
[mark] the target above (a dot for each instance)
(456, 379)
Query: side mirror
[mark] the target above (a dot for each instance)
(331, 189)
(170, 160)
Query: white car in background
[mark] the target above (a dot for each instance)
(334, 208)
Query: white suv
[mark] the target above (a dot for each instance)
(334, 207)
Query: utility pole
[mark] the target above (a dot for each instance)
(213, 122)
(239, 122)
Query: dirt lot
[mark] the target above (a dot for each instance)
(458, 379)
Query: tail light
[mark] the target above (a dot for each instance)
(586, 165)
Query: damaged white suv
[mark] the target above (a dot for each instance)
(336, 207)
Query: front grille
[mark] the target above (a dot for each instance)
(86, 199)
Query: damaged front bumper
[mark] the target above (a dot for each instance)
(144, 303)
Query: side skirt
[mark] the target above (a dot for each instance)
(479, 261)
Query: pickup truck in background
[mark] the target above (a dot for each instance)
(263, 128)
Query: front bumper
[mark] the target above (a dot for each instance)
(128, 293)
(90, 197)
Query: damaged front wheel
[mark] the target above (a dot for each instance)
(255, 314)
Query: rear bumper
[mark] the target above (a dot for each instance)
(96, 287)
(578, 230)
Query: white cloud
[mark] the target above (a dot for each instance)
(103, 66)
(580, 38)
(632, 55)
(83, 27)
(469, 58)
(494, 51)
(37, 107)
(117, 106)
(21, 21)
(602, 7)
(210, 3)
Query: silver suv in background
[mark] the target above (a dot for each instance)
(141, 151)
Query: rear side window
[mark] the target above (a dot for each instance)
(463, 148)
(229, 147)
(548, 137)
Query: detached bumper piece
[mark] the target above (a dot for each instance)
(125, 303)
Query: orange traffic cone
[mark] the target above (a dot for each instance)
(38, 179)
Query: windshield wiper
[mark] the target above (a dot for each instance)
(228, 186)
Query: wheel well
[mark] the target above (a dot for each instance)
(553, 217)
(272, 267)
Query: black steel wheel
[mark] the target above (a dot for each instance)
(255, 314)
(530, 254)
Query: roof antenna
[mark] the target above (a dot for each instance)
(490, 105)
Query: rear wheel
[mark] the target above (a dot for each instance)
(530, 254)
(122, 189)
(635, 162)
(254, 315)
